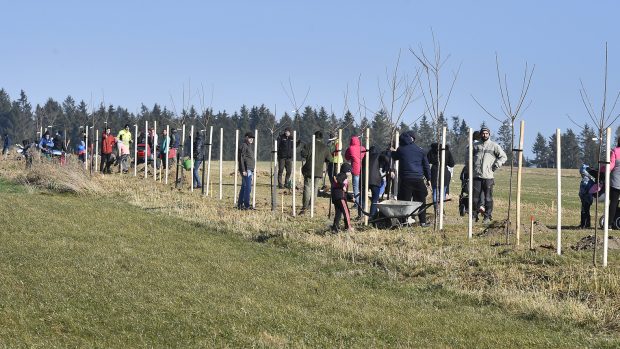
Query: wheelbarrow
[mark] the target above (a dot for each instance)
(397, 213)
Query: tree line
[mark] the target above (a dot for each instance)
(21, 121)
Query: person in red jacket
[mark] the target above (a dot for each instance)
(107, 147)
(354, 154)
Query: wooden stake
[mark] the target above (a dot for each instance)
(167, 151)
(191, 156)
(255, 167)
(294, 183)
(312, 177)
(154, 152)
(221, 157)
(135, 151)
(396, 164)
(442, 172)
(146, 147)
(608, 220)
(519, 178)
(97, 151)
(209, 161)
(531, 232)
(236, 165)
(367, 169)
(558, 162)
(470, 184)
(86, 150)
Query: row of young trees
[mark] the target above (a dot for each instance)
(21, 121)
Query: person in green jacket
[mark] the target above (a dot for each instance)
(321, 156)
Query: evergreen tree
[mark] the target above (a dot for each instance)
(380, 131)
(425, 135)
(7, 117)
(541, 151)
(571, 152)
(349, 128)
(589, 148)
(504, 139)
(552, 151)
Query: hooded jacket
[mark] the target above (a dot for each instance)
(434, 159)
(413, 163)
(199, 148)
(354, 154)
(285, 147)
(321, 155)
(488, 157)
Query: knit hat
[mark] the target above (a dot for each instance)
(345, 167)
(249, 134)
(484, 128)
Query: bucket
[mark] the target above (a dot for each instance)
(187, 164)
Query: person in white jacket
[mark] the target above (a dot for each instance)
(488, 157)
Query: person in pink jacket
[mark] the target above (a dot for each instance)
(614, 184)
(354, 154)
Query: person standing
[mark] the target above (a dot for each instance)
(123, 153)
(587, 182)
(6, 145)
(377, 166)
(107, 147)
(414, 173)
(321, 156)
(332, 166)
(81, 147)
(614, 184)
(339, 199)
(164, 148)
(246, 168)
(434, 159)
(354, 154)
(199, 154)
(124, 136)
(285, 157)
(488, 158)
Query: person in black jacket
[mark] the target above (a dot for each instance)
(198, 157)
(378, 162)
(434, 159)
(59, 143)
(285, 156)
(246, 168)
(414, 173)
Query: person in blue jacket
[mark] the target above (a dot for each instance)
(414, 173)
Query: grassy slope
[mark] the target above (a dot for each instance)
(74, 276)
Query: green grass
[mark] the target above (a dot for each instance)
(97, 272)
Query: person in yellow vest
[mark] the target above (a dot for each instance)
(124, 135)
(335, 150)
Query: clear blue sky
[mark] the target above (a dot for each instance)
(137, 52)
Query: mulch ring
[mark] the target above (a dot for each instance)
(587, 243)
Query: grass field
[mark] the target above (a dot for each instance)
(125, 262)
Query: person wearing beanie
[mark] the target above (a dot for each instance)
(246, 168)
(488, 158)
(124, 135)
(414, 173)
(339, 198)
(321, 156)
(587, 182)
(285, 156)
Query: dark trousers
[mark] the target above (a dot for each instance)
(342, 210)
(485, 187)
(614, 195)
(104, 165)
(331, 172)
(586, 203)
(414, 190)
(282, 165)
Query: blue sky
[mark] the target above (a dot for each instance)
(133, 52)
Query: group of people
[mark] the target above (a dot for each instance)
(417, 171)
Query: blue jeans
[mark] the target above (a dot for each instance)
(356, 194)
(246, 189)
(196, 173)
(436, 195)
(376, 193)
